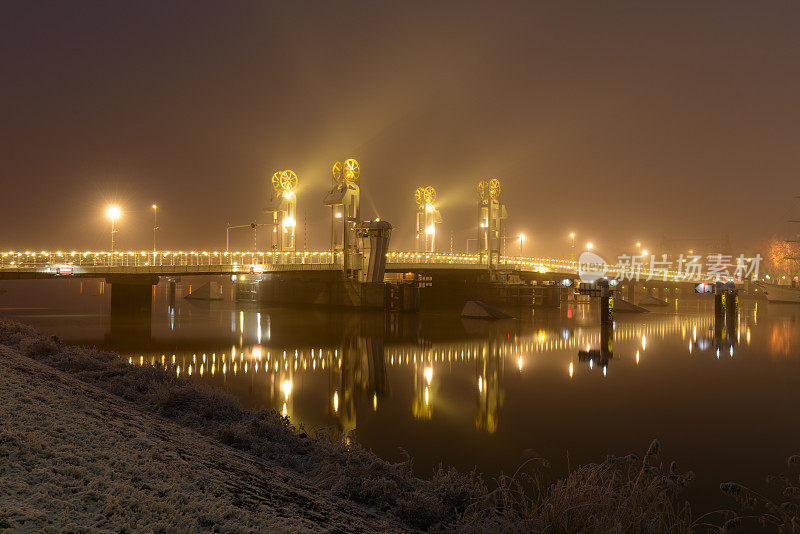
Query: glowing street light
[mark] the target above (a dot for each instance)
(589, 245)
(521, 240)
(113, 212)
(572, 246)
(155, 227)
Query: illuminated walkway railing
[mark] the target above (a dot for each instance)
(530, 264)
(12, 260)
(44, 261)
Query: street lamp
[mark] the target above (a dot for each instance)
(589, 245)
(113, 212)
(572, 238)
(521, 240)
(155, 227)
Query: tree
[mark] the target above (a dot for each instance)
(783, 258)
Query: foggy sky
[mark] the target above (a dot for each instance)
(620, 121)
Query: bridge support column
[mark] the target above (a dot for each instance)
(171, 285)
(131, 305)
(631, 292)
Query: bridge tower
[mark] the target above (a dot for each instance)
(492, 214)
(344, 200)
(427, 218)
(283, 207)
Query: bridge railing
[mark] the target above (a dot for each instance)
(44, 259)
(521, 263)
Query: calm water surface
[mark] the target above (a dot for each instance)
(472, 394)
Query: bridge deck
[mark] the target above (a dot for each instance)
(43, 265)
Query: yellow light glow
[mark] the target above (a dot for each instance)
(286, 387)
(113, 212)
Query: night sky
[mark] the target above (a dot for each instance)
(620, 121)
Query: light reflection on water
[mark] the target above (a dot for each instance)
(468, 393)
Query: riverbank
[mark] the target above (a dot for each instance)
(91, 442)
(74, 457)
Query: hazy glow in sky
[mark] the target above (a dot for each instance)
(621, 122)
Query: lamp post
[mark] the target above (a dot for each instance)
(155, 228)
(572, 239)
(113, 213)
(521, 240)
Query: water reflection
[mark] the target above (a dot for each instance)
(357, 371)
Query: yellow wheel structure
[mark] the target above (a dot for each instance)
(351, 170)
(419, 196)
(347, 170)
(336, 172)
(430, 195)
(276, 180)
(494, 188)
(483, 189)
(288, 180)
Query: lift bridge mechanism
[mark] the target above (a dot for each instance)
(427, 218)
(283, 208)
(492, 214)
(363, 245)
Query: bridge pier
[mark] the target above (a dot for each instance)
(131, 305)
(171, 285)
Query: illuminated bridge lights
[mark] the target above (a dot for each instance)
(20, 261)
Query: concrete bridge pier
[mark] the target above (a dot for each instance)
(131, 305)
(630, 292)
(171, 284)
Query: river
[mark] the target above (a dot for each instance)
(469, 393)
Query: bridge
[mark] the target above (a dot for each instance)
(354, 271)
(102, 264)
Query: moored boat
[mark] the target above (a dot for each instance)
(775, 293)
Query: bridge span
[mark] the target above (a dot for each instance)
(102, 264)
(324, 278)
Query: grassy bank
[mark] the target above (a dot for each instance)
(629, 493)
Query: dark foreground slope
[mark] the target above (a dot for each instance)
(74, 457)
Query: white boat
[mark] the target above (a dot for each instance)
(780, 293)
